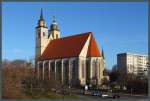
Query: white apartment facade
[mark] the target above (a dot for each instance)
(129, 63)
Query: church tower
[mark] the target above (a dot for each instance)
(54, 31)
(42, 37)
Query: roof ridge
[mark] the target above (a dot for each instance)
(73, 46)
(74, 35)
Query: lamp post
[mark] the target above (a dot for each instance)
(69, 89)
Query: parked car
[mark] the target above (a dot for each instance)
(104, 95)
(96, 93)
(115, 95)
(110, 95)
(87, 93)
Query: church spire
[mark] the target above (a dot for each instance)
(41, 22)
(41, 16)
(54, 19)
(54, 31)
(54, 25)
(103, 54)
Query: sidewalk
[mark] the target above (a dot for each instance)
(138, 95)
(129, 94)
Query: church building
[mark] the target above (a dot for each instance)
(72, 60)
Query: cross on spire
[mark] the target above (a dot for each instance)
(54, 19)
(54, 25)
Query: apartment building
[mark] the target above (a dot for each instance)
(129, 63)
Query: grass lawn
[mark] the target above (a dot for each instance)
(52, 95)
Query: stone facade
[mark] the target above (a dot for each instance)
(75, 71)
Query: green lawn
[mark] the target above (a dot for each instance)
(52, 95)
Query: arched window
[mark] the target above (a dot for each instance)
(73, 68)
(83, 68)
(46, 70)
(53, 66)
(39, 35)
(94, 68)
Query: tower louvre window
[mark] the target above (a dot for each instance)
(43, 33)
(56, 35)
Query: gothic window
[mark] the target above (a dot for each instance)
(59, 67)
(88, 68)
(53, 66)
(94, 68)
(46, 69)
(66, 71)
(99, 66)
(39, 35)
(40, 69)
(73, 69)
(82, 62)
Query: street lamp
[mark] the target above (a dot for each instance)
(69, 89)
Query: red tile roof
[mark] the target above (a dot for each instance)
(93, 50)
(70, 46)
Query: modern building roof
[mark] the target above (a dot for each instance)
(70, 46)
(135, 54)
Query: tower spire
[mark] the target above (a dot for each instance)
(103, 54)
(54, 20)
(54, 31)
(54, 25)
(41, 16)
(41, 22)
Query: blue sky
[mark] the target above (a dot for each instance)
(117, 27)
